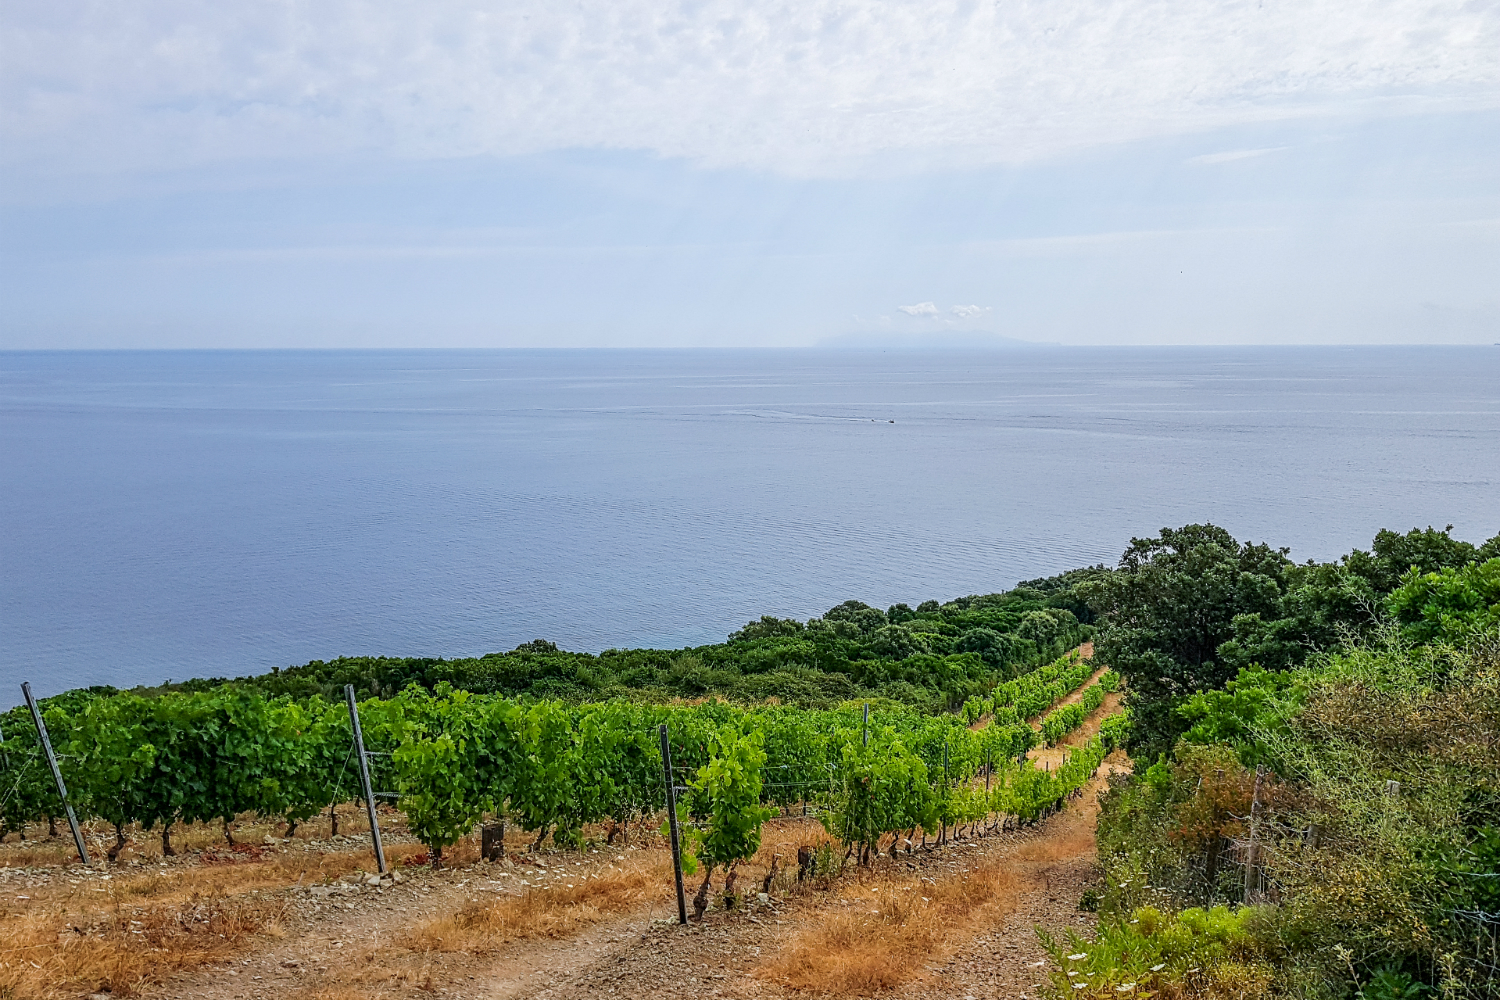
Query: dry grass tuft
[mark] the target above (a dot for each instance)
(345, 993)
(48, 955)
(885, 938)
(537, 913)
(135, 929)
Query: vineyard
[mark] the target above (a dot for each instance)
(452, 759)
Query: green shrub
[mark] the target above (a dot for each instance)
(1192, 954)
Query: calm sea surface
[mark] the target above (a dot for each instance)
(167, 515)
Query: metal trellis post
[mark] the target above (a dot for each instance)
(867, 724)
(364, 778)
(62, 789)
(666, 765)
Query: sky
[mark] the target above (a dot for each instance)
(748, 174)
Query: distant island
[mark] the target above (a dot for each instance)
(945, 340)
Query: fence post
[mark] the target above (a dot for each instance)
(364, 778)
(666, 766)
(62, 789)
(947, 786)
(867, 724)
(1252, 869)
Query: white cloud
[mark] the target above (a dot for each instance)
(1232, 155)
(968, 312)
(816, 86)
(920, 309)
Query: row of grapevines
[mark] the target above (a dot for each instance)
(194, 757)
(1115, 729)
(1029, 694)
(1061, 721)
(453, 757)
(1032, 694)
(887, 790)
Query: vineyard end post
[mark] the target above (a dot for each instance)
(364, 778)
(62, 789)
(867, 724)
(666, 766)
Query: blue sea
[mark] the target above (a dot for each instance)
(176, 514)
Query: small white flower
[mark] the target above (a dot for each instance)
(1071, 973)
(1158, 967)
(1123, 987)
(1081, 954)
(1080, 986)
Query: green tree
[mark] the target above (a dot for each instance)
(1166, 611)
(1449, 605)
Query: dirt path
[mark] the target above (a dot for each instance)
(1052, 756)
(736, 955)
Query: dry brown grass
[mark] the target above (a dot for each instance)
(539, 913)
(49, 954)
(883, 938)
(134, 929)
(344, 993)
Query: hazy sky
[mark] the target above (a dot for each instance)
(343, 173)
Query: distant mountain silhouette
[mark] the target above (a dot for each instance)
(940, 340)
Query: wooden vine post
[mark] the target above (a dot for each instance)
(666, 766)
(364, 778)
(62, 789)
(1252, 866)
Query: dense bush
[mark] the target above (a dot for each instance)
(1377, 831)
(932, 657)
(1187, 610)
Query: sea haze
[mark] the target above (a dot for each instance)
(177, 514)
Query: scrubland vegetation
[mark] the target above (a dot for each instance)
(1315, 810)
